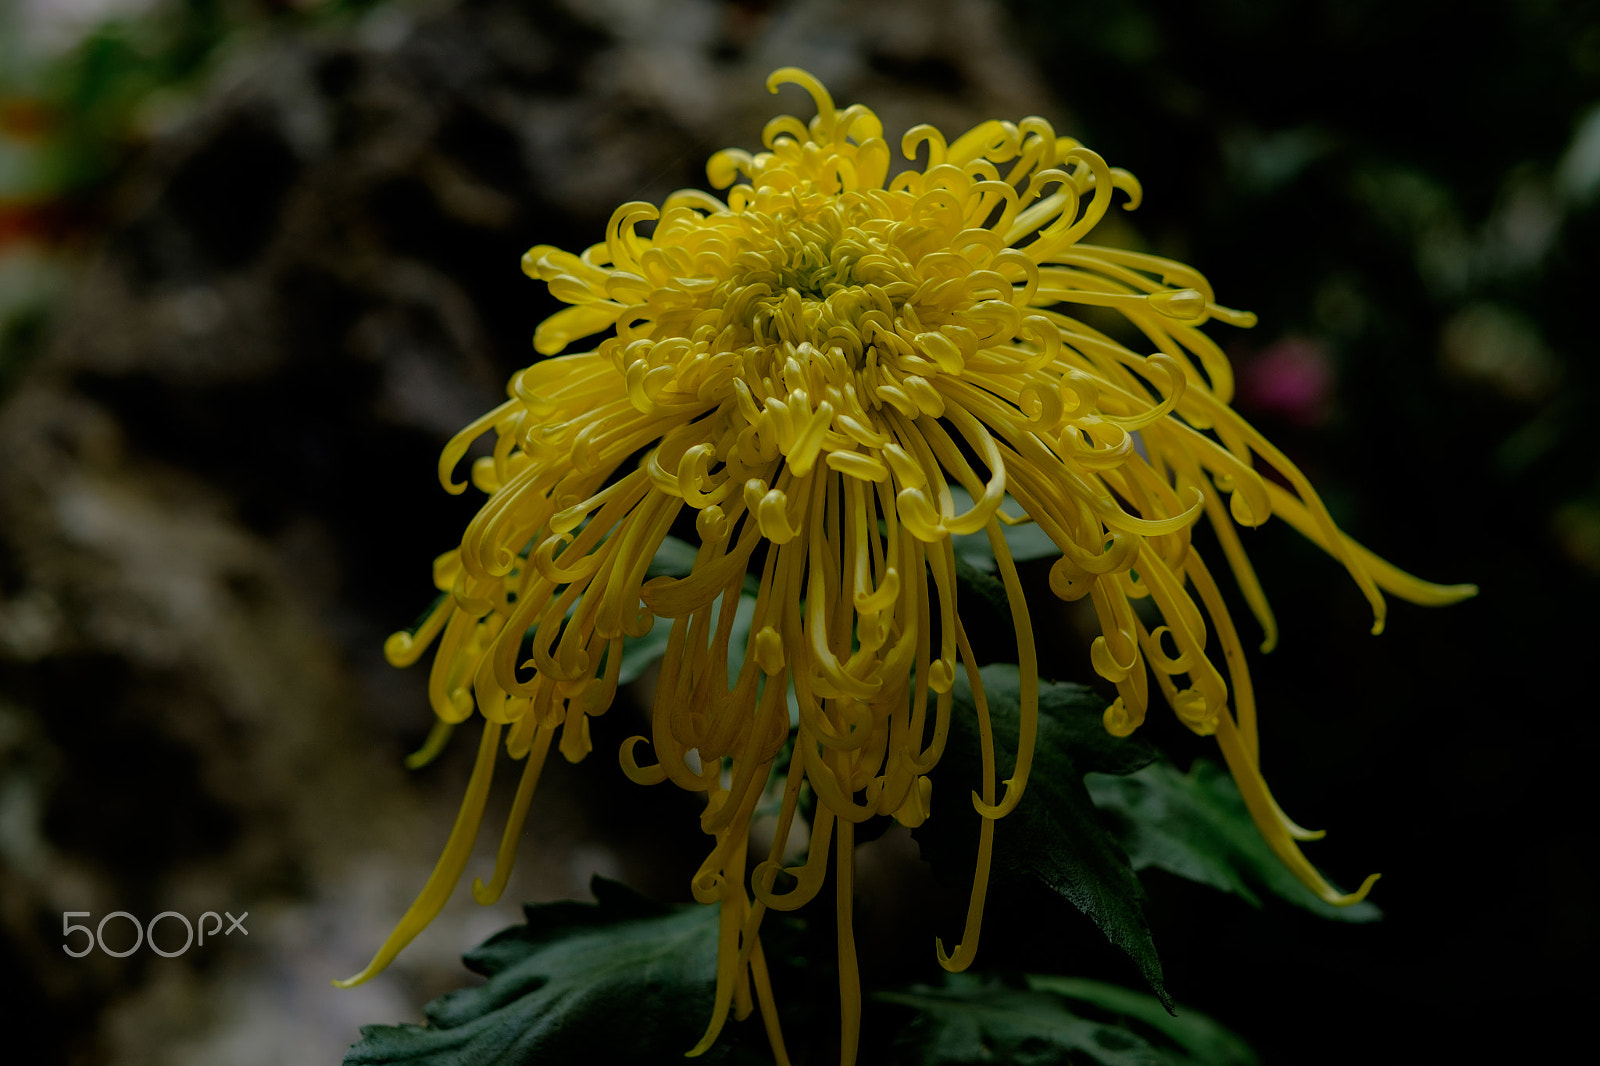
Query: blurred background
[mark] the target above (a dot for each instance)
(258, 261)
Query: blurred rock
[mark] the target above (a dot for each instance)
(219, 494)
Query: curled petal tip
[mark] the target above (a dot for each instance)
(1351, 898)
(795, 76)
(1007, 804)
(781, 76)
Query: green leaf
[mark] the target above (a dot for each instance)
(675, 558)
(1055, 839)
(1200, 1036)
(1026, 541)
(639, 652)
(1196, 825)
(621, 980)
(985, 607)
(969, 1020)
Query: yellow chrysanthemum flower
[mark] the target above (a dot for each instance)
(810, 367)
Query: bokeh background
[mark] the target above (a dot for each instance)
(258, 260)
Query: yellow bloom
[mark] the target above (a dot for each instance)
(809, 367)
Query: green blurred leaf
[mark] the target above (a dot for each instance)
(990, 592)
(621, 980)
(969, 1020)
(1055, 839)
(639, 652)
(1026, 541)
(675, 558)
(1195, 825)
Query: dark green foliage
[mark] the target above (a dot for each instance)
(1200, 1036)
(629, 980)
(624, 979)
(1055, 1021)
(1097, 808)
(1055, 840)
(1195, 825)
(675, 558)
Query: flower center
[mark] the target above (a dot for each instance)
(829, 277)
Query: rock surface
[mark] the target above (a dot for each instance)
(218, 494)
